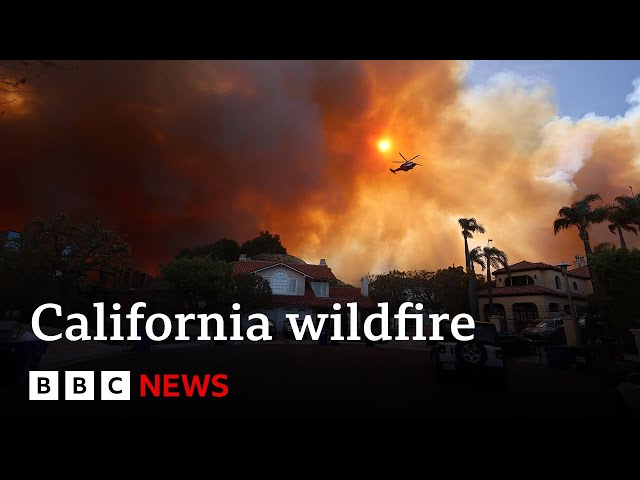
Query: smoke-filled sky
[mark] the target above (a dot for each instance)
(178, 153)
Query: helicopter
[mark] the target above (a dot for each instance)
(406, 165)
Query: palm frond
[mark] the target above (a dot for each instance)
(561, 224)
(476, 256)
(599, 214)
(566, 212)
(590, 197)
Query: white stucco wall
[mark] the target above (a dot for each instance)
(546, 278)
(541, 301)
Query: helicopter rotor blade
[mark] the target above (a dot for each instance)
(415, 157)
(396, 161)
(403, 157)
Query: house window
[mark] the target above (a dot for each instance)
(321, 289)
(575, 286)
(558, 282)
(282, 284)
(554, 307)
(279, 283)
(519, 280)
(524, 313)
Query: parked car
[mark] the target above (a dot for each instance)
(287, 329)
(273, 330)
(482, 355)
(513, 344)
(629, 397)
(546, 330)
(20, 352)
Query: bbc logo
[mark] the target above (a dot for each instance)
(79, 385)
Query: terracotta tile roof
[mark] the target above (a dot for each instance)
(341, 295)
(580, 272)
(526, 290)
(524, 265)
(316, 272)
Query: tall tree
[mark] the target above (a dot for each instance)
(251, 291)
(631, 203)
(202, 282)
(488, 257)
(621, 217)
(617, 272)
(469, 227)
(54, 260)
(390, 287)
(72, 253)
(450, 291)
(265, 242)
(225, 249)
(581, 215)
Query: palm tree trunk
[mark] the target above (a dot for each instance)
(473, 285)
(623, 244)
(489, 288)
(584, 236)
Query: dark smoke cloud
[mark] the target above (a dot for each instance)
(173, 154)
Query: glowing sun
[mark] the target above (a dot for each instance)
(384, 145)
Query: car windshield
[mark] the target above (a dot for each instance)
(546, 323)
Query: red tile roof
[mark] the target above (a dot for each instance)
(341, 295)
(580, 272)
(316, 272)
(525, 290)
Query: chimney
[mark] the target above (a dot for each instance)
(323, 262)
(579, 261)
(243, 256)
(364, 286)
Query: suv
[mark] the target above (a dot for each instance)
(482, 354)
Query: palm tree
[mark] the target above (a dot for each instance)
(580, 215)
(469, 227)
(488, 257)
(621, 217)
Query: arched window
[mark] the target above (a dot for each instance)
(279, 283)
(575, 286)
(558, 282)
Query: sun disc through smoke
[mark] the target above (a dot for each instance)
(384, 145)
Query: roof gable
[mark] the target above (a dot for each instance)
(315, 272)
(523, 266)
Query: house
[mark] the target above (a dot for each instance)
(305, 289)
(533, 290)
